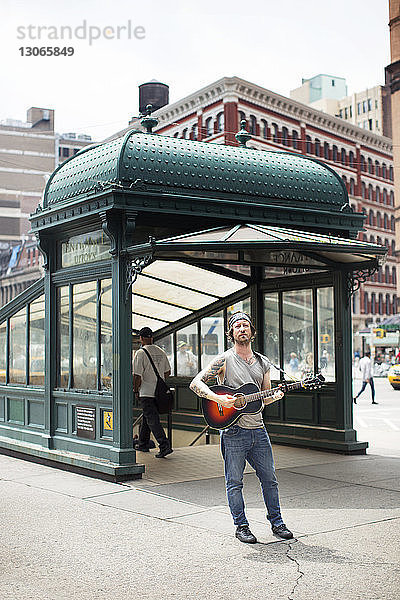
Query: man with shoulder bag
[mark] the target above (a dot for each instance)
(150, 367)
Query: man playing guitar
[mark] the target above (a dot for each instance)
(247, 439)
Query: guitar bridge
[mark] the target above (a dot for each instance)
(220, 409)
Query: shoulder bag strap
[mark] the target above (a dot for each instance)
(152, 363)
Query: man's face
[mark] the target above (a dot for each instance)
(241, 331)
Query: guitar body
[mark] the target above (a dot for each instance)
(220, 417)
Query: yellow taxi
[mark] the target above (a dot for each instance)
(394, 376)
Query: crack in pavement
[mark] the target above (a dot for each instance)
(299, 571)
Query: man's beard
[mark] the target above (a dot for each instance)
(242, 341)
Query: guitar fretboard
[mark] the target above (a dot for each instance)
(286, 387)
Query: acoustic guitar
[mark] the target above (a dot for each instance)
(249, 400)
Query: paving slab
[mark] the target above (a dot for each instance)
(147, 503)
(70, 484)
(355, 471)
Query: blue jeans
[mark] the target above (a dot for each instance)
(370, 381)
(237, 446)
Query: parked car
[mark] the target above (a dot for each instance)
(394, 376)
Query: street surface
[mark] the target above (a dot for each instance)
(378, 424)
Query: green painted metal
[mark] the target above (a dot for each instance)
(148, 162)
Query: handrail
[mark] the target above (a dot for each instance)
(204, 431)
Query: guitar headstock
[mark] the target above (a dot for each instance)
(313, 381)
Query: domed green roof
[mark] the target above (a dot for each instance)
(177, 166)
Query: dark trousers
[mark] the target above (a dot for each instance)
(151, 423)
(364, 385)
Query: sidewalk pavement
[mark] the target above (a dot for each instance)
(170, 535)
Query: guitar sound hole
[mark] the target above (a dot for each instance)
(240, 402)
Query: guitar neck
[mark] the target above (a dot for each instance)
(286, 387)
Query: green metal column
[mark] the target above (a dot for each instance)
(343, 354)
(48, 248)
(119, 227)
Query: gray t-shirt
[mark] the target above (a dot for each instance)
(142, 367)
(237, 373)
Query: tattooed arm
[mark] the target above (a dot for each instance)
(200, 383)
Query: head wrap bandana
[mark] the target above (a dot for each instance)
(239, 316)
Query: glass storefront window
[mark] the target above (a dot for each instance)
(18, 347)
(36, 342)
(84, 336)
(63, 336)
(298, 350)
(212, 337)
(106, 335)
(271, 332)
(186, 352)
(326, 340)
(167, 344)
(3, 352)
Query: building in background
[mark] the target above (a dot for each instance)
(29, 153)
(362, 158)
(367, 109)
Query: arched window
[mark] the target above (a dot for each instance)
(308, 144)
(379, 275)
(394, 278)
(377, 194)
(317, 147)
(387, 243)
(253, 125)
(220, 122)
(384, 196)
(378, 219)
(326, 151)
(295, 139)
(194, 132)
(366, 308)
(371, 218)
(209, 127)
(362, 163)
(176, 134)
(391, 173)
(379, 240)
(387, 274)
(391, 199)
(380, 304)
(387, 304)
(392, 223)
(370, 192)
(343, 156)
(384, 173)
(351, 159)
(275, 133)
(365, 237)
(370, 168)
(373, 304)
(344, 179)
(394, 304)
(363, 190)
(377, 169)
(264, 128)
(372, 239)
(285, 136)
(385, 221)
(184, 133)
(393, 247)
(242, 117)
(334, 153)
(352, 187)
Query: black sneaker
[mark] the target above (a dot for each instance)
(164, 453)
(282, 531)
(244, 534)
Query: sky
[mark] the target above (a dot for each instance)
(186, 44)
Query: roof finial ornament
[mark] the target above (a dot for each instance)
(243, 136)
(148, 121)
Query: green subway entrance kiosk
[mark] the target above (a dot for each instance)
(177, 234)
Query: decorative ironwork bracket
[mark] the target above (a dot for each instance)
(134, 269)
(356, 278)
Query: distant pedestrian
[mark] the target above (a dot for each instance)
(365, 367)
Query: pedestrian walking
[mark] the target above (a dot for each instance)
(365, 367)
